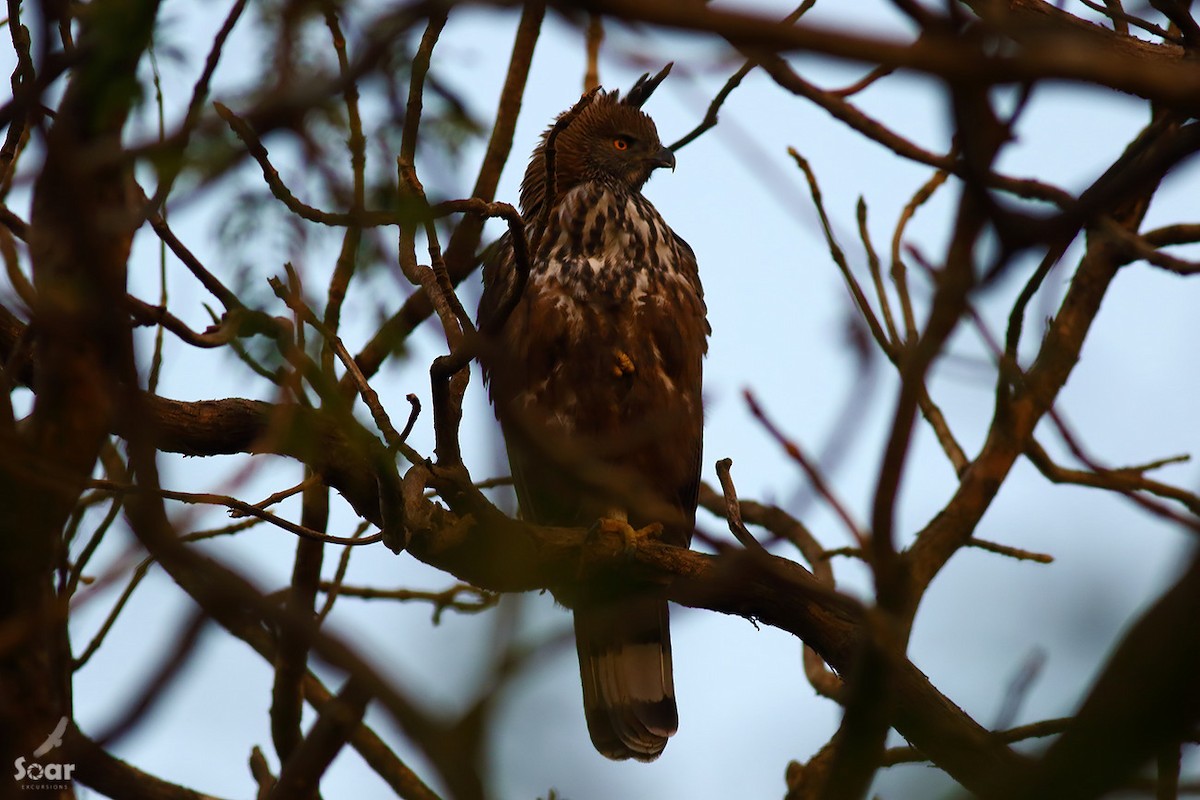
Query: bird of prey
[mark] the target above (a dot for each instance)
(594, 369)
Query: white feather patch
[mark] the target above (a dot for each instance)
(635, 673)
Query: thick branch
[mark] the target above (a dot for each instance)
(1146, 161)
(1077, 52)
(79, 237)
(112, 777)
(488, 550)
(1146, 698)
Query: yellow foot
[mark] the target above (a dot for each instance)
(624, 364)
(629, 535)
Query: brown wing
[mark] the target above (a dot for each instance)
(585, 386)
(678, 332)
(596, 379)
(622, 633)
(601, 401)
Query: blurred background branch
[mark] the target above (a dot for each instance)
(349, 295)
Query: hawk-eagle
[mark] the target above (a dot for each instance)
(595, 375)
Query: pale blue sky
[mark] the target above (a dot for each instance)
(778, 309)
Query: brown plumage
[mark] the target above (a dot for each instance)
(595, 375)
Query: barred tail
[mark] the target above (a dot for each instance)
(625, 667)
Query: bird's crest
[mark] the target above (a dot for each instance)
(645, 86)
(589, 107)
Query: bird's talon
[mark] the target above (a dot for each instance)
(631, 537)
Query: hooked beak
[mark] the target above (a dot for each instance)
(663, 158)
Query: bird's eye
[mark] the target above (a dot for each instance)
(621, 142)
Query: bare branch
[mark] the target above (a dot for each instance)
(461, 597)
(733, 511)
(363, 219)
(107, 774)
(796, 454)
(243, 509)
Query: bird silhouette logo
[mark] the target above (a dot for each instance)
(55, 739)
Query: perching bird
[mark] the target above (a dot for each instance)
(595, 375)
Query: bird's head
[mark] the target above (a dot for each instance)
(610, 142)
(605, 138)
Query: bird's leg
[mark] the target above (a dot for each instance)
(623, 364)
(615, 522)
(630, 536)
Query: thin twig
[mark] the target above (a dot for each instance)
(156, 360)
(786, 77)
(227, 298)
(710, 115)
(448, 376)
(1189, 521)
(1140, 249)
(415, 403)
(356, 146)
(518, 240)
(899, 273)
(1172, 234)
(369, 396)
(839, 258)
(1124, 479)
(364, 218)
(25, 92)
(1034, 730)
(230, 327)
(733, 509)
(885, 307)
(1011, 552)
(459, 597)
(139, 573)
(786, 527)
(595, 37)
(862, 83)
(1181, 20)
(173, 166)
(260, 770)
(280, 496)
(116, 469)
(246, 508)
(416, 87)
(339, 575)
(12, 267)
(814, 475)
(1114, 11)
(154, 689)
(1128, 481)
(460, 251)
